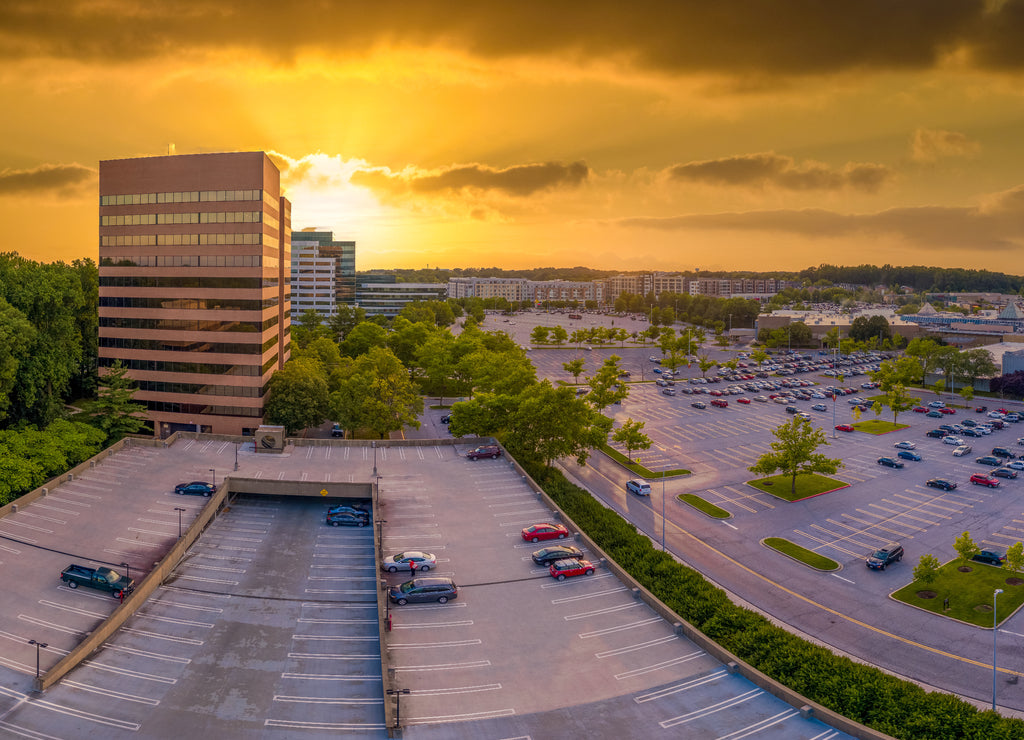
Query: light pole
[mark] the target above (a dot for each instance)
(179, 510)
(38, 646)
(237, 445)
(373, 444)
(213, 472)
(397, 693)
(127, 571)
(995, 595)
(663, 509)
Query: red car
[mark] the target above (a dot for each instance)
(562, 569)
(720, 403)
(844, 428)
(545, 531)
(920, 410)
(742, 400)
(980, 479)
(715, 392)
(947, 410)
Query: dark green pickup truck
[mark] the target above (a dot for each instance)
(103, 579)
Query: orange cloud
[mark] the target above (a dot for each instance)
(931, 145)
(770, 169)
(62, 180)
(518, 180)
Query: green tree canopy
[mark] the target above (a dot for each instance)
(631, 436)
(378, 395)
(113, 411)
(297, 395)
(795, 452)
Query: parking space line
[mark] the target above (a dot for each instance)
(112, 694)
(686, 686)
(638, 646)
(726, 499)
(581, 597)
(826, 543)
(159, 636)
(461, 717)
(870, 525)
(659, 666)
(891, 519)
(443, 666)
(457, 690)
(764, 724)
(897, 513)
(329, 726)
(50, 625)
(844, 537)
(146, 653)
(80, 714)
(332, 656)
(130, 673)
(597, 612)
(718, 707)
(220, 581)
(328, 700)
(932, 504)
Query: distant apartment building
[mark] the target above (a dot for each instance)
(737, 287)
(381, 295)
(323, 273)
(194, 253)
(521, 289)
(511, 289)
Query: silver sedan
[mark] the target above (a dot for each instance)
(424, 561)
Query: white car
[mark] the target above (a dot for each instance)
(905, 445)
(404, 560)
(962, 450)
(995, 415)
(1015, 464)
(952, 441)
(936, 405)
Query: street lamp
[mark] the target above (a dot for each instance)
(38, 646)
(995, 632)
(127, 570)
(213, 472)
(373, 444)
(397, 693)
(663, 509)
(179, 510)
(237, 445)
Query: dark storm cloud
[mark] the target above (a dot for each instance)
(760, 170)
(59, 179)
(998, 224)
(520, 180)
(745, 37)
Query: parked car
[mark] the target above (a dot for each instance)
(562, 569)
(962, 450)
(844, 428)
(1003, 473)
(1015, 465)
(347, 519)
(941, 483)
(337, 431)
(544, 531)
(491, 451)
(908, 455)
(947, 410)
(424, 561)
(1003, 452)
(951, 440)
(919, 410)
(935, 433)
(743, 400)
(195, 488)
(548, 555)
(905, 445)
(435, 588)
(988, 460)
(639, 487)
(719, 403)
(885, 556)
(934, 414)
(936, 405)
(890, 462)
(102, 579)
(980, 479)
(990, 557)
(346, 509)
(699, 405)
(670, 392)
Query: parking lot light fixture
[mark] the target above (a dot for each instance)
(38, 646)
(213, 472)
(373, 444)
(397, 693)
(995, 632)
(179, 510)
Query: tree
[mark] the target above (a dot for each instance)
(897, 399)
(864, 328)
(1015, 557)
(436, 357)
(966, 393)
(631, 436)
(539, 335)
(16, 335)
(378, 395)
(308, 327)
(344, 320)
(965, 546)
(559, 335)
(550, 422)
(574, 368)
(927, 569)
(297, 395)
(705, 364)
(605, 388)
(794, 452)
(759, 356)
(113, 411)
(362, 338)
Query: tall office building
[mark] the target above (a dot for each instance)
(323, 273)
(194, 254)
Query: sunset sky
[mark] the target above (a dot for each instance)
(753, 134)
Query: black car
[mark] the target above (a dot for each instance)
(890, 462)
(547, 555)
(195, 488)
(337, 431)
(992, 557)
(347, 519)
(1003, 452)
(1003, 473)
(988, 460)
(345, 509)
(885, 556)
(446, 419)
(935, 433)
(942, 483)
(439, 589)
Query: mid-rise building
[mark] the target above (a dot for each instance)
(381, 295)
(194, 253)
(323, 273)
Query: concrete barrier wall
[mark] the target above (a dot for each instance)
(731, 661)
(274, 487)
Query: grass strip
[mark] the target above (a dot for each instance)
(877, 426)
(807, 485)
(801, 554)
(705, 506)
(969, 592)
(637, 468)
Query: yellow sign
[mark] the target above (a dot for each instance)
(323, 492)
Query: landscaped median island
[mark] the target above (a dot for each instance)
(877, 426)
(861, 692)
(969, 587)
(802, 554)
(808, 485)
(705, 506)
(637, 468)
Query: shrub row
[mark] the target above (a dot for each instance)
(862, 693)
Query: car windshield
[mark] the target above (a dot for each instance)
(407, 587)
(880, 555)
(111, 576)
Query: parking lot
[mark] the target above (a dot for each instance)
(268, 627)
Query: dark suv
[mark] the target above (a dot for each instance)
(441, 590)
(491, 451)
(885, 556)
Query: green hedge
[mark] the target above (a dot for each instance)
(862, 693)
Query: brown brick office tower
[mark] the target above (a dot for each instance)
(194, 265)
